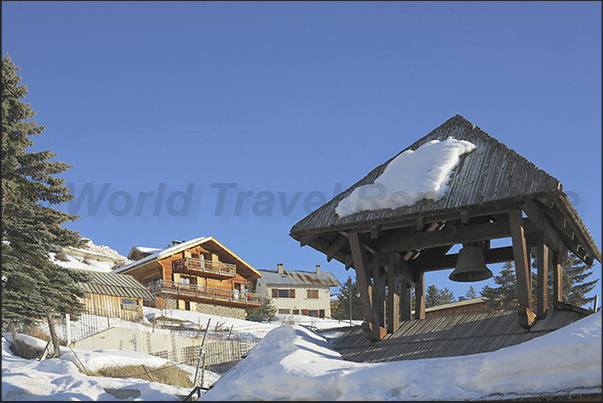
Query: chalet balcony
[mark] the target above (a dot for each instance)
(203, 267)
(199, 293)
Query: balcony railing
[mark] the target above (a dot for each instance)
(203, 292)
(192, 265)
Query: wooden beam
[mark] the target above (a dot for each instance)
(393, 296)
(542, 224)
(558, 259)
(407, 284)
(446, 236)
(542, 265)
(306, 239)
(336, 246)
(360, 263)
(420, 296)
(522, 264)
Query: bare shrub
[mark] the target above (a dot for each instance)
(61, 256)
(166, 374)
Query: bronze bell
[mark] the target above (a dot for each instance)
(470, 265)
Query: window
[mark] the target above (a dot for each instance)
(295, 312)
(127, 303)
(284, 311)
(276, 293)
(313, 313)
(313, 294)
(185, 280)
(195, 255)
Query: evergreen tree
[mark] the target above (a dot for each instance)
(433, 296)
(31, 284)
(267, 308)
(504, 296)
(446, 296)
(342, 312)
(471, 293)
(573, 289)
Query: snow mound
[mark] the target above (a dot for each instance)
(89, 257)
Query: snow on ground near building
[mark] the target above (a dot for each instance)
(294, 363)
(59, 378)
(411, 176)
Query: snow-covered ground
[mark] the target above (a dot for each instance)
(296, 363)
(90, 257)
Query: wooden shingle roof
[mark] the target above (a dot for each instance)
(490, 178)
(447, 336)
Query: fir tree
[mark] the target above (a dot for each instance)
(433, 296)
(31, 284)
(471, 293)
(446, 296)
(504, 296)
(350, 287)
(573, 289)
(267, 308)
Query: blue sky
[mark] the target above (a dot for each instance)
(298, 100)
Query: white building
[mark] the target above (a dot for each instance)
(298, 292)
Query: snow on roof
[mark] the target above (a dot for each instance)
(163, 253)
(182, 247)
(408, 178)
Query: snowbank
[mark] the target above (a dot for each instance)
(294, 363)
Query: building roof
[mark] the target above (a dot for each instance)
(117, 285)
(142, 250)
(164, 253)
(447, 336)
(489, 178)
(295, 277)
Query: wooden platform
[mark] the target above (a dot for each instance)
(448, 336)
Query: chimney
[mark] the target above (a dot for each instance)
(280, 268)
(317, 269)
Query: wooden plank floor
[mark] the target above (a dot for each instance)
(446, 336)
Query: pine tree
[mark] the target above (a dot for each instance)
(267, 308)
(350, 287)
(573, 289)
(471, 293)
(433, 296)
(446, 296)
(504, 296)
(31, 284)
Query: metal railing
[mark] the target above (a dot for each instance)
(190, 264)
(203, 292)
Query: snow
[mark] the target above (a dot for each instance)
(293, 362)
(90, 257)
(59, 378)
(408, 178)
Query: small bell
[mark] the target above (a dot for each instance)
(470, 265)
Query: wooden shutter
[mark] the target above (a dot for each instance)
(305, 312)
(291, 293)
(274, 293)
(321, 313)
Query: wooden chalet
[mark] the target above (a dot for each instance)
(199, 275)
(114, 295)
(493, 193)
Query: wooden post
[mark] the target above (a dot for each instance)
(542, 262)
(378, 290)
(372, 330)
(393, 297)
(522, 268)
(420, 295)
(558, 258)
(406, 290)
